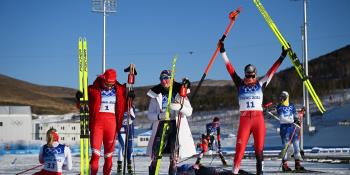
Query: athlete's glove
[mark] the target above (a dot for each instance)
(297, 121)
(131, 94)
(78, 95)
(161, 116)
(187, 82)
(284, 52)
(176, 106)
(221, 46)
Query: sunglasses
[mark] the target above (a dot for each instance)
(164, 78)
(250, 76)
(109, 84)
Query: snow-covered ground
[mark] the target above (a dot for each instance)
(332, 131)
(12, 164)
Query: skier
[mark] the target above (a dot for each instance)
(121, 141)
(156, 113)
(250, 94)
(210, 139)
(288, 115)
(107, 105)
(188, 169)
(54, 155)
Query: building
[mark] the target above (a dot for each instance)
(67, 128)
(15, 123)
(143, 138)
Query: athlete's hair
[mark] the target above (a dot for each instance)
(216, 119)
(50, 136)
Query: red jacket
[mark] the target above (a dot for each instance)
(95, 101)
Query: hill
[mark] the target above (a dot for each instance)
(42, 99)
(327, 73)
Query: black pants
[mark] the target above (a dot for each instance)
(168, 146)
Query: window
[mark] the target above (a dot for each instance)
(41, 128)
(62, 138)
(0, 123)
(73, 128)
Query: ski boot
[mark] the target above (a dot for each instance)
(172, 168)
(259, 164)
(298, 167)
(119, 166)
(151, 170)
(130, 170)
(285, 167)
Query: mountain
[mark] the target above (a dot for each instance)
(327, 73)
(42, 99)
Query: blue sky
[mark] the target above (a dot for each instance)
(38, 39)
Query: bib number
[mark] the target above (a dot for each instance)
(50, 165)
(250, 104)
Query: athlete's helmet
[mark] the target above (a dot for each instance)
(249, 70)
(284, 95)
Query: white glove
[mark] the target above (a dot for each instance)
(175, 106)
(161, 116)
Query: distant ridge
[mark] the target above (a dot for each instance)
(327, 73)
(42, 99)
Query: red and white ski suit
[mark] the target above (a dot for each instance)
(105, 122)
(251, 113)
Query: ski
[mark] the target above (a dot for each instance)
(167, 117)
(244, 172)
(232, 17)
(293, 57)
(83, 102)
(296, 172)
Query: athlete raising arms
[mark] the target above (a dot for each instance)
(250, 94)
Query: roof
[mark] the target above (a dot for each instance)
(148, 133)
(15, 110)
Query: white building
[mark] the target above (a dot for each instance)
(143, 138)
(15, 123)
(68, 129)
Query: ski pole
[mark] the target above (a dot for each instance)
(213, 159)
(188, 158)
(22, 172)
(285, 149)
(301, 118)
(267, 107)
(183, 93)
(232, 17)
(275, 117)
(131, 81)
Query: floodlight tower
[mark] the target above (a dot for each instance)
(104, 7)
(306, 102)
(306, 67)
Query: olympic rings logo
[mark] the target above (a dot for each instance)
(250, 89)
(53, 151)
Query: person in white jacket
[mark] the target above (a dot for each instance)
(156, 113)
(54, 156)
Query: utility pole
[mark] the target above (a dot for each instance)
(306, 102)
(306, 67)
(104, 7)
